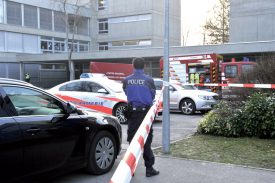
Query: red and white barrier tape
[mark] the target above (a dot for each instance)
(128, 164)
(235, 85)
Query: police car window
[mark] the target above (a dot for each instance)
(91, 87)
(74, 86)
(29, 102)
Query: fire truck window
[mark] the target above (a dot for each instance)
(246, 68)
(231, 71)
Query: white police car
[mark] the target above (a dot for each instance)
(92, 75)
(98, 93)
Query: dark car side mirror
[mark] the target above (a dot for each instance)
(71, 108)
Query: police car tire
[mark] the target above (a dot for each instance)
(104, 145)
(115, 111)
(187, 103)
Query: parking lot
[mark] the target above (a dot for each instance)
(181, 126)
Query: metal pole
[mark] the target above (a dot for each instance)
(166, 112)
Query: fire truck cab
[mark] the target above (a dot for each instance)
(232, 70)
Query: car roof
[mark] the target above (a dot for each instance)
(13, 81)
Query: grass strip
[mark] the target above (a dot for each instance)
(240, 151)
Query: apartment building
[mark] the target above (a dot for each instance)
(252, 20)
(38, 27)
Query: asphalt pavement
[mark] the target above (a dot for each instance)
(176, 170)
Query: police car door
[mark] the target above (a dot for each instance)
(95, 97)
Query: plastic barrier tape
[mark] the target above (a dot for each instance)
(235, 85)
(128, 164)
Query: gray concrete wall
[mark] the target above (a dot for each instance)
(118, 8)
(252, 20)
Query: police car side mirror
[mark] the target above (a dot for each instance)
(171, 88)
(102, 90)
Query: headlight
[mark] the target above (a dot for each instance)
(203, 97)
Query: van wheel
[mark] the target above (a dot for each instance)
(102, 153)
(187, 107)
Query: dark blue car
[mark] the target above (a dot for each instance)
(41, 135)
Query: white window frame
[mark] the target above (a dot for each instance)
(105, 25)
(104, 45)
(133, 18)
(51, 41)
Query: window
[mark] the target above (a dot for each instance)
(74, 48)
(59, 22)
(59, 45)
(83, 46)
(47, 66)
(14, 42)
(29, 102)
(117, 43)
(102, 26)
(247, 68)
(231, 71)
(133, 18)
(102, 4)
(30, 16)
(75, 86)
(45, 19)
(14, 13)
(46, 45)
(1, 11)
(72, 24)
(83, 26)
(103, 46)
(53, 66)
(59, 67)
(30, 43)
(145, 43)
(2, 41)
(91, 87)
(139, 43)
(131, 43)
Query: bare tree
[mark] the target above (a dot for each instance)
(71, 15)
(216, 28)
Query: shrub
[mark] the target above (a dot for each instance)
(224, 120)
(259, 112)
(233, 119)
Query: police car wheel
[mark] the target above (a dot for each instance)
(102, 153)
(187, 107)
(119, 113)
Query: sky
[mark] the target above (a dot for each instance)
(194, 15)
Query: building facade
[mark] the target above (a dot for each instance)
(252, 20)
(40, 28)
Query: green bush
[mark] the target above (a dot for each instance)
(259, 113)
(224, 120)
(255, 117)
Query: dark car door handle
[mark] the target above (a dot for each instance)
(33, 130)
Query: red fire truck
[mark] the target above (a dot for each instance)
(203, 68)
(114, 71)
(230, 71)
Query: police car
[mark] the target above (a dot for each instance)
(98, 93)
